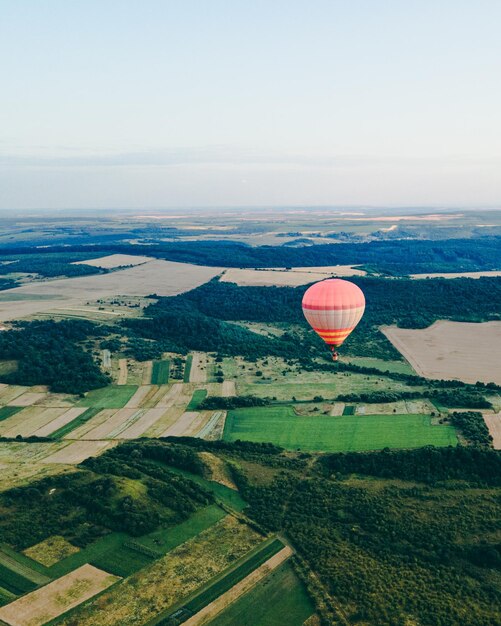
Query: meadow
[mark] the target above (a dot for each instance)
(282, 426)
(111, 397)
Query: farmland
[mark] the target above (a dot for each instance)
(282, 426)
(160, 584)
(460, 350)
(57, 597)
(279, 594)
(160, 373)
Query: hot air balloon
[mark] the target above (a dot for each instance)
(333, 308)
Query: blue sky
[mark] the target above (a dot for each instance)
(120, 103)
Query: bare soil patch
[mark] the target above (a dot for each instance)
(116, 260)
(146, 421)
(198, 371)
(457, 350)
(287, 278)
(165, 278)
(493, 422)
(76, 452)
(57, 597)
(122, 374)
(492, 273)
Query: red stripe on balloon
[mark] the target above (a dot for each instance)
(335, 307)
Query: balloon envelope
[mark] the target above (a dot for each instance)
(333, 308)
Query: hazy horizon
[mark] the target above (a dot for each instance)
(164, 105)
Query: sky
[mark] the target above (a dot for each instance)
(179, 103)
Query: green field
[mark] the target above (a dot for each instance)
(122, 561)
(187, 368)
(255, 560)
(8, 411)
(399, 367)
(78, 421)
(160, 372)
(111, 397)
(280, 425)
(166, 539)
(14, 582)
(198, 396)
(228, 496)
(279, 594)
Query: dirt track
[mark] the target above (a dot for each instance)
(457, 350)
(197, 374)
(122, 376)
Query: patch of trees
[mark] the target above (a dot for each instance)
(49, 264)
(389, 552)
(235, 402)
(472, 426)
(48, 353)
(428, 464)
(95, 500)
(399, 257)
(456, 398)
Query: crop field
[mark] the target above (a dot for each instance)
(160, 372)
(493, 422)
(280, 593)
(166, 581)
(400, 367)
(165, 278)
(280, 425)
(459, 350)
(29, 421)
(81, 418)
(14, 582)
(281, 277)
(59, 596)
(122, 561)
(115, 260)
(8, 411)
(198, 396)
(76, 452)
(18, 564)
(111, 397)
(247, 565)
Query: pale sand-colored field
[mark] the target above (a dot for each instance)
(492, 273)
(27, 399)
(208, 613)
(190, 421)
(146, 421)
(287, 278)
(228, 389)
(67, 417)
(337, 409)
(29, 420)
(121, 418)
(172, 396)
(493, 421)
(78, 451)
(116, 260)
(122, 376)
(99, 418)
(451, 350)
(11, 393)
(198, 370)
(147, 371)
(140, 396)
(59, 596)
(165, 278)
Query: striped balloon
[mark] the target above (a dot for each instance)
(333, 308)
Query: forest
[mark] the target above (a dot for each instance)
(50, 353)
(394, 257)
(389, 537)
(47, 264)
